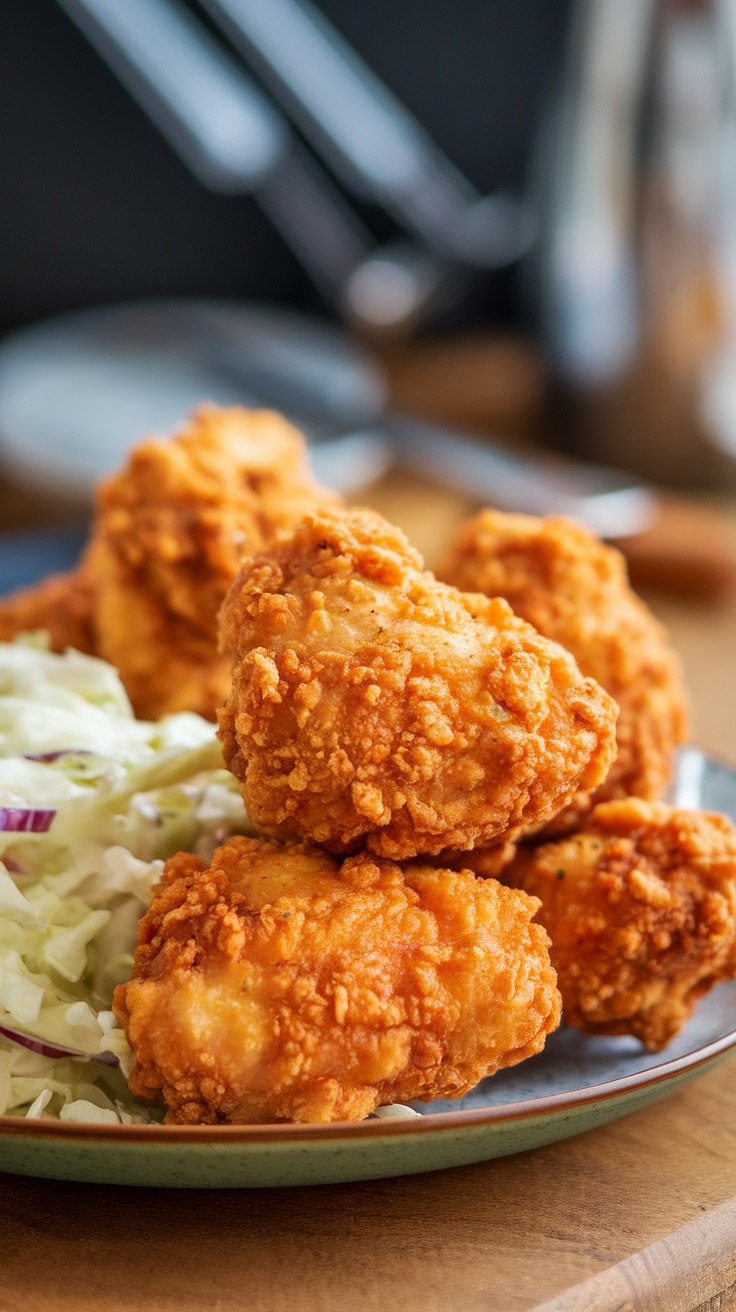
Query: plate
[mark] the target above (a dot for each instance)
(576, 1084)
(27, 555)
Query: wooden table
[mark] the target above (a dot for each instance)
(505, 1236)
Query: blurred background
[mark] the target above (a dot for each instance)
(481, 251)
(98, 208)
(491, 243)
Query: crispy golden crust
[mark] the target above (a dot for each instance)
(171, 530)
(280, 985)
(574, 590)
(61, 604)
(641, 909)
(488, 862)
(372, 704)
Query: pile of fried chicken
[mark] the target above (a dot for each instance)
(457, 780)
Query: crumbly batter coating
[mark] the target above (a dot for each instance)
(62, 604)
(641, 908)
(373, 705)
(170, 532)
(279, 985)
(172, 529)
(575, 590)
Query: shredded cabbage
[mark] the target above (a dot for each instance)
(127, 794)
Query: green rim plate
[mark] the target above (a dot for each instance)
(544, 1105)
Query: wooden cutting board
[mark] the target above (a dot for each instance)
(693, 1269)
(505, 1236)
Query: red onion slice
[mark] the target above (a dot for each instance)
(25, 820)
(54, 1050)
(47, 757)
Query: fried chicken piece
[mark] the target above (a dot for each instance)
(62, 604)
(373, 705)
(575, 590)
(641, 908)
(279, 985)
(488, 862)
(171, 530)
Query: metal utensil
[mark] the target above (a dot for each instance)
(234, 140)
(608, 501)
(634, 275)
(77, 392)
(367, 136)
(699, 780)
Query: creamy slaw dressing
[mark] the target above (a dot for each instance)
(126, 794)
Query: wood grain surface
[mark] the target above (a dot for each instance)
(692, 1270)
(521, 1233)
(497, 1237)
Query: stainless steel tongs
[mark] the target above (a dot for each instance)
(234, 139)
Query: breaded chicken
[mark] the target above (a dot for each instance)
(641, 908)
(574, 590)
(170, 532)
(488, 862)
(373, 705)
(62, 605)
(280, 985)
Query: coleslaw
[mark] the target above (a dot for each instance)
(92, 801)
